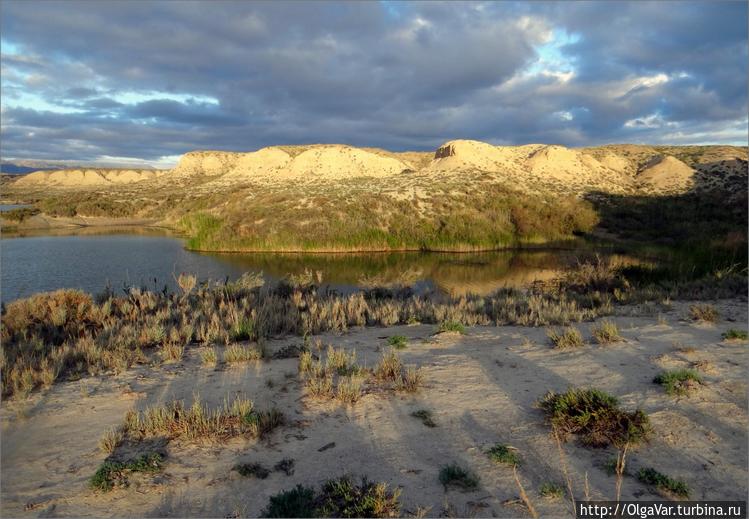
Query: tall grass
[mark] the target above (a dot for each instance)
(67, 334)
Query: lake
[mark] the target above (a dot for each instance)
(90, 259)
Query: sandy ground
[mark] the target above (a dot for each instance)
(481, 388)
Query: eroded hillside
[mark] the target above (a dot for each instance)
(465, 195)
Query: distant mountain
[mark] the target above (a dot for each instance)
(22, 167)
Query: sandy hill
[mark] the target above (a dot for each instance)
(87, 177)
(622, 169)
(666, 174)
(319, 161)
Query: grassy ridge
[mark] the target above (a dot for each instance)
(492, 219)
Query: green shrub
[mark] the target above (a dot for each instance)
(451, 326)
(425, 416)
(252, 470)
(114, 473)
(503, 454)
(679, 381)
(551, 490)
(595, 417)
(243, 330)
(337, 498)
(343, 498)
(652, 477)
(398, 342)
(297, 502)
(456, 475)
(735, 335)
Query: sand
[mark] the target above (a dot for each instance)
(666, 174)
(86, 178)
(532, 168)
(481, 388)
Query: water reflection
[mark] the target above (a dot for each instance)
(92, 258)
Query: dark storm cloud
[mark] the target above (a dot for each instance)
(152, 79)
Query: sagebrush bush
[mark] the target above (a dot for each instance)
(606, 332)
(679, 381)
(595, 417)
(566, 339)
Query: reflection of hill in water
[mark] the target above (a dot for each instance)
(93, 230)
(456, 274)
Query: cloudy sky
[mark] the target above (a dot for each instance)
(142, 81)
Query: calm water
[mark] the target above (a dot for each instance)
(90, 261)
(10, 207)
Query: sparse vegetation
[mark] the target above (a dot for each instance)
(389, 368)
(409, 380)
(297, 502)
(606, 333)
(679, 381)
(243, 330)
(110, 440)
(595, 417)
(662, 482)
(567, 339)
(237, 353)
(113, 474)
(704, 312)
(551, 490)
(735, 335)
(349, 389)
(455, 475)
(340, 497)
(398, 342)
(451, 326)
(500, 453)
(209, 356)
(425, 416)
(198, 422)
(252, 470)
(67, 334)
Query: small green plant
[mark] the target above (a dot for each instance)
(595, 417)
(297, 502)
(704, 312)
(569, 338)
(606, 333)
(398, 342)
(504, 454)
(456, 475)
(425, 416)
(113, 474)
(551, 490)
(243, 330)
(340, 497)
(451, 326)
(735, 335)
(662, 482)
(679, 381)
(252, 470)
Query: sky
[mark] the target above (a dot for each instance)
(144, 82)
